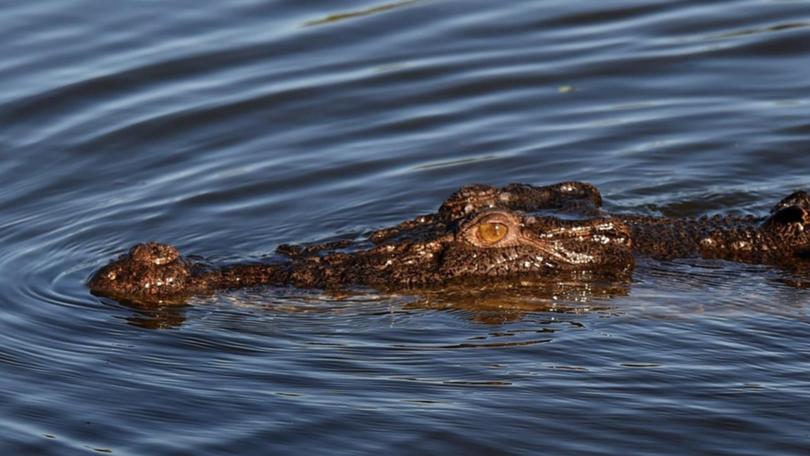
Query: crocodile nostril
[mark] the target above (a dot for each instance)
(154, 253)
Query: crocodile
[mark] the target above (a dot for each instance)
(480, 235)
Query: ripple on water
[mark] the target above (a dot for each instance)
(228, 128)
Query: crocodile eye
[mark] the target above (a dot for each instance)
(492, 232)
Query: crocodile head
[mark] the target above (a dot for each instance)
(489, 247)
(479, 235)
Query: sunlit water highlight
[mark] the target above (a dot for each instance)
(227, 128)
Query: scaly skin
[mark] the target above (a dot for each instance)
(480, 234)
(783, 238)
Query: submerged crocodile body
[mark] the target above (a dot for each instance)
(479, 235)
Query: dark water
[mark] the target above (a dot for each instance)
(228, 128)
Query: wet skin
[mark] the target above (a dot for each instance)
(479, 235)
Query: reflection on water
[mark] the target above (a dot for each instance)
(754, 31)
(491, 305)
(229, 128)
(365, 12)
(157, 317)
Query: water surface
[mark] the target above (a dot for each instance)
(228, 128)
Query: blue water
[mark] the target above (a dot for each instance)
(228, 128)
